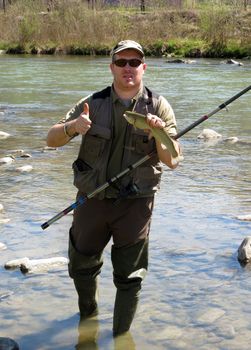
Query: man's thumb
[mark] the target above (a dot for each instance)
(86, 109)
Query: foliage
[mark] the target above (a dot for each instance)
(72, 27)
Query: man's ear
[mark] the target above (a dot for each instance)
(111, 68)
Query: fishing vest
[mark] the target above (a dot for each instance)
(90, 167)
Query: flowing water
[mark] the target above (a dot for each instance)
(196, 295)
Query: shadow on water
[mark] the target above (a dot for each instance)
(49, 338)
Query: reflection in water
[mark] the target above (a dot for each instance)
(124, 341)
(88, 333)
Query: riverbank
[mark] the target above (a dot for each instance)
(214, 32)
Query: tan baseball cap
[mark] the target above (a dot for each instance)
(125, 45)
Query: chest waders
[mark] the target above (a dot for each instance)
(130, 262)
(84, 271)
(130, 266)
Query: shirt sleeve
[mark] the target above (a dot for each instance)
(75, 111)
(166, 113)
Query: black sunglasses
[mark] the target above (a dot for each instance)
(133, 62)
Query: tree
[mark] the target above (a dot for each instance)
(142, 6)
(4, 3)
(92, 3)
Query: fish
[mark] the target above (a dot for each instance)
(139, 121)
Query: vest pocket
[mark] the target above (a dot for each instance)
(141, 144)
(147, 179)
(94, 143)
(85, 177)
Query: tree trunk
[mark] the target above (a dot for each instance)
(142, 6)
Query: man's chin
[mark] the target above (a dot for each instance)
(129, 83)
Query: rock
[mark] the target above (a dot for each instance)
(231, 61)
(25, 155)
(180, 60)
(208, 134)
(13, 264)
(231, 140)
(8, 344)
(17, 152)
(20, 153)
(2, 246)
(2, 52)
(47, 148)
(1, 208)
(4, 221)
(244, 217)
(244, 250)
(176, 60)
(4, 135)
(24, 169)
(36, 265)
(6, 160)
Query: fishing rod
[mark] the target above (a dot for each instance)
(101, 188)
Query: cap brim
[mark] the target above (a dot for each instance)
(128, 48)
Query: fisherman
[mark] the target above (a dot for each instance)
(122, 212)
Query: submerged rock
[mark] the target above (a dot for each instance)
(170, 333)
(36, 265)
(2, 246)
(4, 295)
(210, 316)
(24, 169)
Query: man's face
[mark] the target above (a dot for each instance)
(127, 77)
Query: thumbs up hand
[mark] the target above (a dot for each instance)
(83, 122)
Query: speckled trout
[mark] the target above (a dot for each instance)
(139, 121)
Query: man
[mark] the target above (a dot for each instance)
(123, 211)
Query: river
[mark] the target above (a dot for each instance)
(196, 295)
